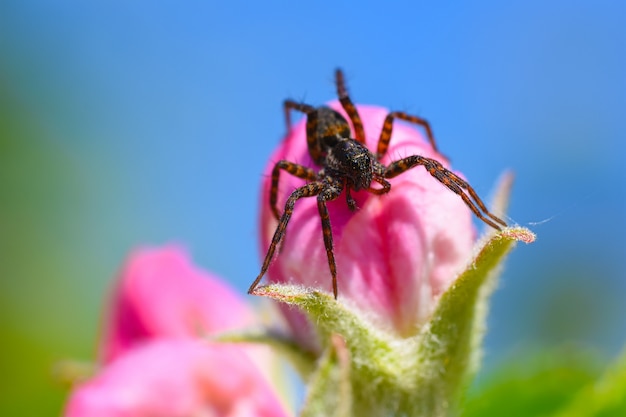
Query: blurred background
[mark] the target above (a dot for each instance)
(126, 124)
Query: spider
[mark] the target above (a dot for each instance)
(347, 164)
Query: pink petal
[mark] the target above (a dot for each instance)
(160, 293)
(176, 378)
(395, 255)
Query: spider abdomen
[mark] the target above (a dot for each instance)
(330, 124)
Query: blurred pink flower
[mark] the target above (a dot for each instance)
(395, 255)
(155, 361)
(177, 378)
(162, 294)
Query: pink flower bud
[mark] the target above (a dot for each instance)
(395, 255)
(177, 378)
(155, 350)
(160, 293)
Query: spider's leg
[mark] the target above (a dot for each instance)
(289, 105)
(312, 118)
(450, 180)
(470, 190)
(385, 134)
(350, 200)
(378, 175)
(329, 193)
(379, 191)
(349, 107)
(297, 170)
(308, 190)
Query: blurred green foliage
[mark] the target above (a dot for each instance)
(551, 383)
(40, 199)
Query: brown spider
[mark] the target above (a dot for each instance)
(347, 164)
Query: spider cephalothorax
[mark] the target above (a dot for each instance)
(347, 164)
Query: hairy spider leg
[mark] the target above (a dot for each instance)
(349, 106)
(294, 169)
(329, 193)
(380, 191)
(289, 105)
(350, 200)
(307, 190)
(378, 175)
(385, 134)
(450, 180)
(315, 148)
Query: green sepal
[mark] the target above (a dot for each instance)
(330, 389)
(303, 361)
(421, 375)
(449, 344)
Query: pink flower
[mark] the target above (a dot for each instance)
(395, 255)
(177, 378)
(156, 362)
(162, 294)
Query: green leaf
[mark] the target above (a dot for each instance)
(604, 397)
(532, 384)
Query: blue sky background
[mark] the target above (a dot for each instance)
(160, 117)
